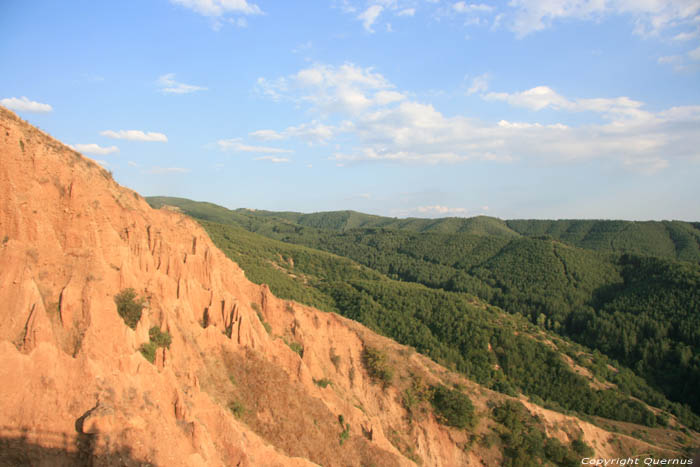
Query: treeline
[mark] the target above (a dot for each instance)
(455, 329)
(640, 311)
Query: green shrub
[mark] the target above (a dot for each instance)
(335, 359)
(296, 347)
(237, 408)
(324, 382)
(157, 339)
(129, 306)
(265, 324)
(345, 434)
(148, 350)
(377, 365)
(453, 407)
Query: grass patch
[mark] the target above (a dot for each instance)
(237, 409)
(377, 365)
(345, 434)
(265, 324)
(296, 347)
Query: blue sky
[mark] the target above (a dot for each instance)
(427, 108)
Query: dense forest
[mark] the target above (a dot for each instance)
(440, 286)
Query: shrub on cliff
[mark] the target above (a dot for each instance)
(453, 407)
(129, 306)
(378, 365)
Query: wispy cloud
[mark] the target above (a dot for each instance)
(135, 135)
(345, 88)
(651, 17)
(95, 149)
(479, 84)
(273, 159)
(216, 8)
(408, 131)
(369, 16)
(677, 18)
(464, 7)
(440, 210)
(168, 85)
(235, 145)
(23, 104)
(167, 170)
(312, 133)
(542, 97)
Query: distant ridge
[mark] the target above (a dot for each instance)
(664, 239)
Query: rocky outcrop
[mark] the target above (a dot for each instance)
(74, 379)
(248, 379)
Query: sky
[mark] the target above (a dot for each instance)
(546, 109)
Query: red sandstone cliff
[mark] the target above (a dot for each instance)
(75, 388)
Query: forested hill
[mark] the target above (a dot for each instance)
(639, 310)
(662, 239)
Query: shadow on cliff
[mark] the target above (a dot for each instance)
(25, 447)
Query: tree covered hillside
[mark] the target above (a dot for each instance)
(415, 287)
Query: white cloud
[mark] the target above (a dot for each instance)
(168, 85)
(542, 97)
(407, 131)
(694, 54)
(273, 159)
(464, 7)
(312, 133)
(369, 16)
(135, 135)
(479, 84)
(346, 88)
(168, 170)
(266, 135)
(235, 145)
(23, 104)
(407, 12)
(670, 60)
(216, 8)
(95, 149)
(651, 16)
(686, 35)
(440, 210)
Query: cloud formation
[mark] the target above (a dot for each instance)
(23, 104)
(369, 16)
(331, 89)
(651, 16)
(95, 149)
(440, 210)
(167, 170)
(235, 145)
(168, 85)
(479, 84)
(216, 8)
(273, 159)
(135, 135)
(311, 133)
(408, 131)
(525, 17)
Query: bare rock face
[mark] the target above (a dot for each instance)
(76, 389)
(247, 380)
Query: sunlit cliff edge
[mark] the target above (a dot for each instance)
(230, 389)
